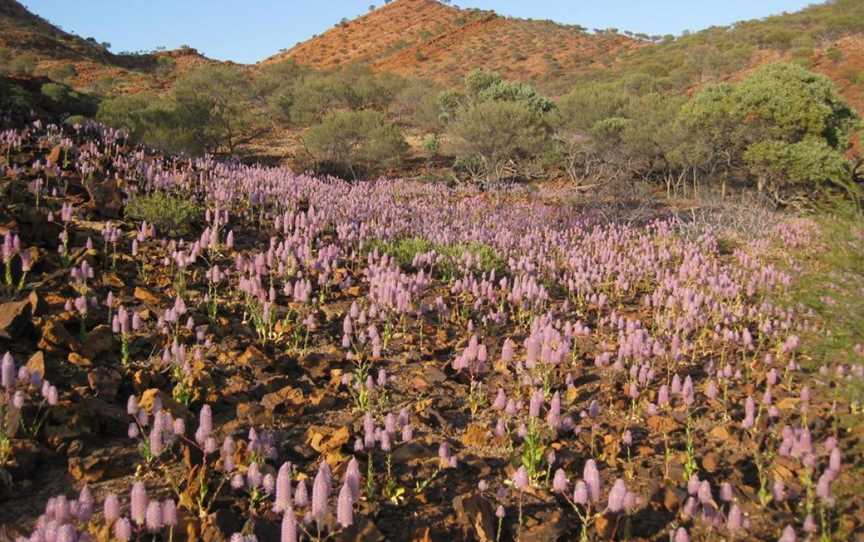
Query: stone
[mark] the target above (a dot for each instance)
(476, 435)
(325, 440)
(16, 319)
(254, 358)
(550, 527)
(287, 399)
(168, 403)
(78, 360)
(98, 341)
(36, 364)
(106, 198)
(145, 296)
(476, 517)
(56, 338)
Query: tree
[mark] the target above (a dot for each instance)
(488, 135)
(214, 102)
(355, 142)
(779, 124)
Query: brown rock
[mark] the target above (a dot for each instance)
(327, 439)
(719, 433)
(662, 424)
(287, 399)
(56, 338)
(254, 358)
(363, 530)
(550, 527)
(98, 341)
(25, 458)
(78, 360)
(106, 198)
(168, 403)
(36, 363)
(604, 526)
(38, 306)
(251, 413)
(476, 517)
(476, 435)
(673, 498)
(710, 462)
(16, 319)
(145, 296)
(113, 280)
(105, 382)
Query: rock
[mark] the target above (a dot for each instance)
(95, 466)
(145, 296)
(38, 306)
(604, 526)
(56, 338)
(363, 530)
(110, 417)
(254, 358)
(326, 440)
(16, 319)
(106, 198)
(710, 462)
(220, 525)
(98, 341)
(113, 280)
(662, 424)
(78, 360)
(25, 458)
(673, 498)
(105, 382)
(719, 433)
(476, 517)
(168, 403)
(550, 527)
(414, 450)
(287, 399)
(476, 435)
(36, 364)
(251, 413)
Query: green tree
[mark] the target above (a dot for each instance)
(356, 143)
(779, 123)
(486, 137)
(214, 103)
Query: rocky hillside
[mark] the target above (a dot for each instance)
(426, 38)
(35, 46)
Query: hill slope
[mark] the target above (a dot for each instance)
(45, 49)
(428, 39)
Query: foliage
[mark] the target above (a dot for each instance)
(405, 250)
(169, 213)
(355, 142)
(213, 103)
(788, 125)
(489, 135)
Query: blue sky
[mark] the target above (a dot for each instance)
(251, 30)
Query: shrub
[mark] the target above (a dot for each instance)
(170, 214)
(487, 136)
(406, 249)
(356, 143)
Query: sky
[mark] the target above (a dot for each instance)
(251, 30)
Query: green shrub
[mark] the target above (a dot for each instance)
(406, 249)
(355, 143)
(170, 214)
(488, 136)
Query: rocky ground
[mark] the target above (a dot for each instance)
(208, 351)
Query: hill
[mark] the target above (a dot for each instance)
(425, 38)
(30, 45)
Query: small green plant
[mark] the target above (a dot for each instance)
(170, 214)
